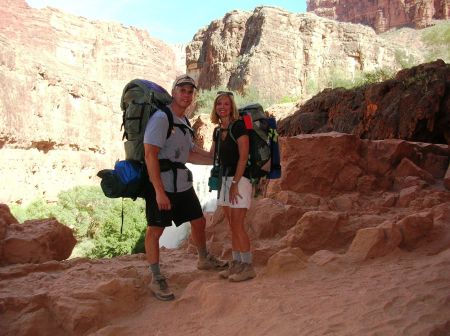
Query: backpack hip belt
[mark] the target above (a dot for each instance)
(166, 165)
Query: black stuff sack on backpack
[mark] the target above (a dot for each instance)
(125, 180)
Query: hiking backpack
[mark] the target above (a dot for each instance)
(264, 155)
(140, 100)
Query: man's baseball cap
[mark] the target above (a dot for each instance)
(183, 80)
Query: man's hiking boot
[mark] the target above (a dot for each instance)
(160, 288)
(233, 267)
(246, 272)
(211, 263)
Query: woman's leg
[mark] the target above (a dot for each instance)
(246, 271)
(237, 220)
(234, 265)
(234, 241)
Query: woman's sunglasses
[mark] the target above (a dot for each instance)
(228, 93)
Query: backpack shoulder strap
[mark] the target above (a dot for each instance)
(184, 127)
(169, 115)
(230, 127)
(216, 138)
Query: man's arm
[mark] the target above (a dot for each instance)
(199, 156)
(152, 163)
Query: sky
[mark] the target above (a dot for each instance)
(174, 21)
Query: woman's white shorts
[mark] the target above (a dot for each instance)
(245, 189)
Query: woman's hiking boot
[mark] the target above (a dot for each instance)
(160, 289)
(246, 272)
(233, 267)
(211, 263)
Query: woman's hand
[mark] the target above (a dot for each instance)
(234, 193)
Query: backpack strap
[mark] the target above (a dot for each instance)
(166, 165)
(169, 115)
(230, 126)
(216, 138)
(216, 164)
(184, 127)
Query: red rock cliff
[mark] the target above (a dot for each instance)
(61, 78)
(383, 15)
(279, 53)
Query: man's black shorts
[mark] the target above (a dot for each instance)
(185, 207)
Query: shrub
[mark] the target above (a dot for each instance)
(437, 39)
(94, 219)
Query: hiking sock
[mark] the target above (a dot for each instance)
(246, 257)
(154, 268)
(236, 255)
(202, 252)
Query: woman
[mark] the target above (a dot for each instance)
(236, 190)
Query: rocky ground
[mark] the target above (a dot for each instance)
(354, 239)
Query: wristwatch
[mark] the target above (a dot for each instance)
(233, 182)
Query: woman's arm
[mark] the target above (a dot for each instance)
(243, 147)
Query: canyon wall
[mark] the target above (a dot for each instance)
(383, 15)
(279, 53)
(61, 80)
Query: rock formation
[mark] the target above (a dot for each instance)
(279, 53)
(383, 15)
(354, 226)
(34, 241)
(414, 106)
(61, 80)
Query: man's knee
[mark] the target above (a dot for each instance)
(154, 233)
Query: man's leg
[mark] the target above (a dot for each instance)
(206, 261)
(198, 234)
(158, 285)
(152, 236)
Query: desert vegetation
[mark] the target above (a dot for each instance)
(95, 220)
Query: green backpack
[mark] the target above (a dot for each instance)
(140, 100)
(257, 124)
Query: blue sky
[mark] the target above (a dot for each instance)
(171, 21)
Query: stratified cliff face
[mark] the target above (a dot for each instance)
(383, 15)
(279, 53)
(61, 78)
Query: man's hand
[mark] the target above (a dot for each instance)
(152, 162)
(163, 201)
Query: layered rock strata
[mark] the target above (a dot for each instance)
(61, 78)
(383, 15)
(282, 54)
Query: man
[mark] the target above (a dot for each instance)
(172, 197)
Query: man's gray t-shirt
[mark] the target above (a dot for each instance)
(176, 148)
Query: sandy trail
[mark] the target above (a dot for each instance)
(405, 293)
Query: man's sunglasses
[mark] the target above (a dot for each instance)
(228, 93)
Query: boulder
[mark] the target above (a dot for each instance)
(35, 241)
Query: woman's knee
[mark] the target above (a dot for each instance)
(199, 223)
